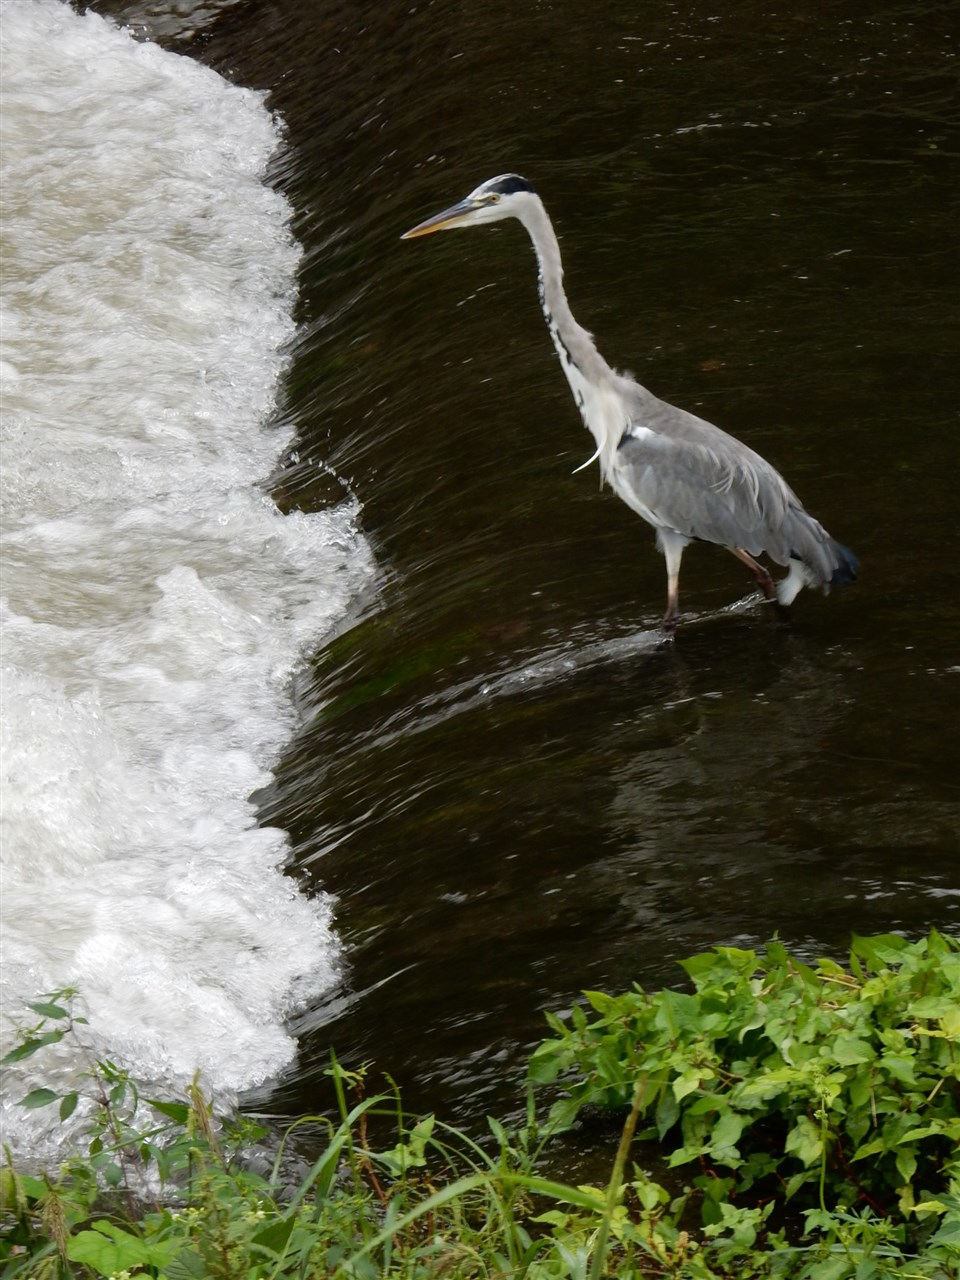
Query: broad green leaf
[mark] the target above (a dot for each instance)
(861, 1087)
(48, 1010)
(68, 1105)
(930, 1206)
(809, 976)
(725, 1136)
(872, 1148)
(710, 1214)
(33, 1187)
(830, 1268)
(186, 1265)
(110, 1249)
(275, 1235)
(553, 1218)
(763, 1088)
(178, 1112)
(676, 1012)
(667, 1113)
(741, 1224)
(938, 945)
(798, 1180)
(949, 1232)
(742, 962)
(543, 1068)
(901, 1066)
(933, 1007)
(708, 1104)
(881, 950)
(805, 1141)
(849, 1050)
(699, 965)
(39, 1098)
(601, 1001)
(563, 1113)
(28, 1047)
(906, 1199)
(650, 1194)
(751, 1023)
(947, 1127)
(906, 1163)
(687, 1082)
(684, 1154)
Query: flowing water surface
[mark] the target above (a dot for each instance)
(511, 790)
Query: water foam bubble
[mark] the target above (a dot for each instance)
(155, 600)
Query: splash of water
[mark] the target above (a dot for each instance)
(155, 602)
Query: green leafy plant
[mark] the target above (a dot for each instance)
(164, 1189)
(837, 1088)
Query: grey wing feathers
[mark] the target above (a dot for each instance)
(692, 477)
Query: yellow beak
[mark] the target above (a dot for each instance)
(452, 217)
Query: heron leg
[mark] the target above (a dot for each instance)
(671, 544)
(764, 581)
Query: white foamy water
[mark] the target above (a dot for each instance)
(155, 602)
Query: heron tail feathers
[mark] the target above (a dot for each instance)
(841, 564)
(847, 565)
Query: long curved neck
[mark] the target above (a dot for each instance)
(574, 344)
(587, 372)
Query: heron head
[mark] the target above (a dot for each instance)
(501, 197)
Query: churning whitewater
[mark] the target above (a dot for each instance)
(155, 602)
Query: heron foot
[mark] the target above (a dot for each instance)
(767, 586)
(668, 627)
(760, 574)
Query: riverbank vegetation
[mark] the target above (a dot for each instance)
(806, 1119)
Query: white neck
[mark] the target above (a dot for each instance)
(591, 379)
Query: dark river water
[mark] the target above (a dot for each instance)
(514, 792)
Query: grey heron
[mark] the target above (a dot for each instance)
(684, 476)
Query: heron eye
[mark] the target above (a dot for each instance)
(493, 198)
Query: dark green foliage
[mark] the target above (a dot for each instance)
(836, 1089)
